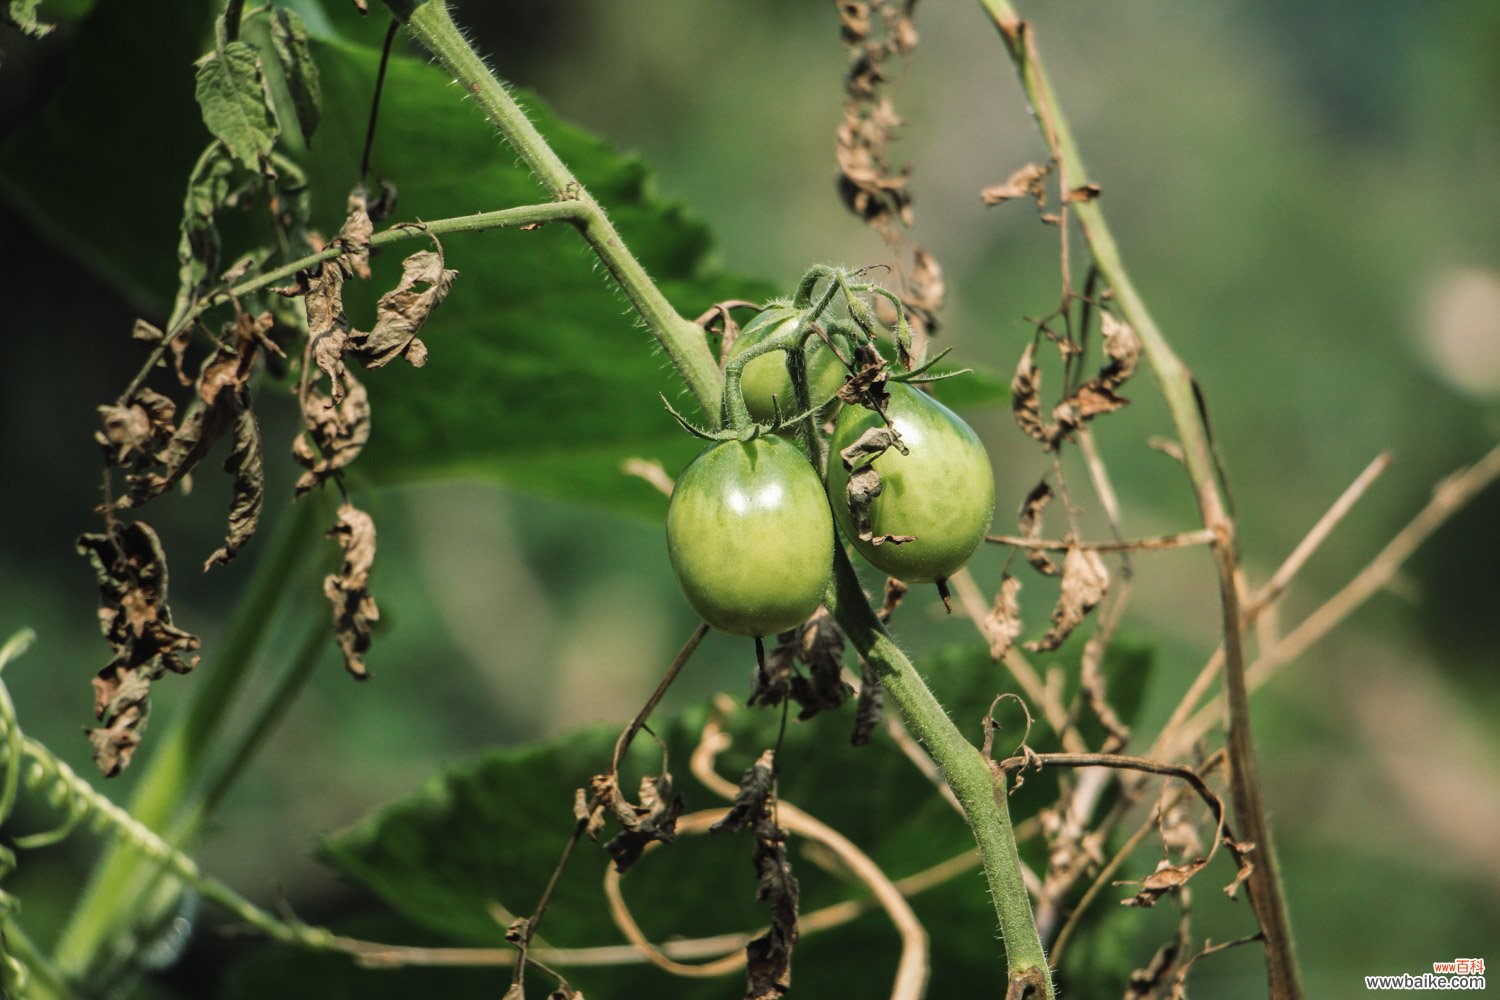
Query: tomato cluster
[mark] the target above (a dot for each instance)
(750, 527)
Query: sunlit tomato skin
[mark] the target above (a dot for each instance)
(750, 536)
(942, 492)
(766, 376)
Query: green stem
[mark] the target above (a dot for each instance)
(962, 766)
(684, 343)
(1178, 388)
(164, 798)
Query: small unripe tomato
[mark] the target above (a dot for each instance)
(750, 536)
(766, 376)
(942, 491)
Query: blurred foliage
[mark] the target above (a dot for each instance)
(1291, 185)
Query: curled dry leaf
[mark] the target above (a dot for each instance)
(1025, 398)
(131, 570)
(769, 956)
(1029, 181)
(1004, 619)
(403, 311)
(773, 672)
(1030, 521)
(1167, 878)
(334, 435)
(820, 645)
(1085, 580)
(1165, 976)
(247, 467)
(652, 819)
(866, 387)
(356, 232)
(354, 609)
(864, 483)
(895, 590)
(132, 433)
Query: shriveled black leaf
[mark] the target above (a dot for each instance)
(1030, 521)
(1085, 580)
(231, 93)
(289, 40)
(401, 312)
(869, 709)
(1004, 619)
(21, 15)
(131, 570)
(820, 645)
(335, 433)
(354, 609)
(768, 966)
(246, 464)
(1029, 181)
(752, 803)
(773, 672)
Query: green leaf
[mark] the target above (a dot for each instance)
(232, 95)
(21, 14)
(198, 247)
(294, 54)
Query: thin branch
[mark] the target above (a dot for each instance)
(1200, 536)
(628, 735)
(1180, 391)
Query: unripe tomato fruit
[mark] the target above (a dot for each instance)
(766, 376)
(943, 492)
(751, 537)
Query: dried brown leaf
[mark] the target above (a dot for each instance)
(1004, 619)
(335, 433)
(752, 802)
(354, 609)
(895, 590)
(773, 672)
(1030, 521)
(357, 230)
(1085, 580)
(1084, 192)
(1025, 399)
(820, 645)
(246, 465)
(401, 312)
(133, 432)
(131, 571)
(1167, 878)
(864, 483)
(652, 819)
(1029, 181)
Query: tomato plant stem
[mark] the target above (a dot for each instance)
(1183, 400)
(683, 341)
(962, 767)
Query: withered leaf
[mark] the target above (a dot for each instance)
(1122, 347)
(1085, 580)
(246, 465)
(198, 246)
(1026, 182)
(1004, 619)
(869, 709)
(354, 609)
(821, 646)
(134, 431)
(1084, 192)
(864, 483)
(895, 590)
(401, 312)
(356, 232)
(1030, 521)
(773, 672)
(768, 967)
(652, 819)
(334, 434)
(1244, 867)
(1167, 878)
(131, 570)
(1163, 977)
(854, 21)
(1025, 398)
(752, 801)
(146, 333)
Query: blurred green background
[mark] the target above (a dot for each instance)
(1307, 196)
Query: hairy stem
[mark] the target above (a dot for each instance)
(684, 343)
(169, 795)
(962, 767)
(1178, 388)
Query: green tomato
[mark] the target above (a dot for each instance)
(942, 492)
(766, 376)
(751, 537)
